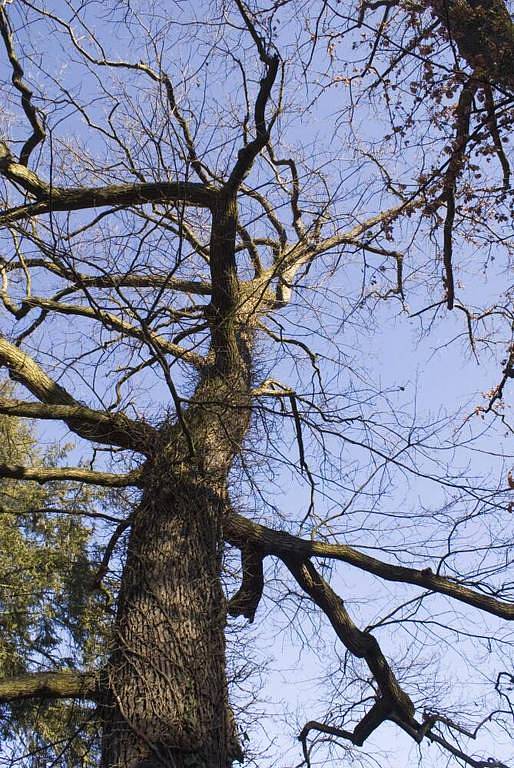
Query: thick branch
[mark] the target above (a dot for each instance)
(393, 701)
(229, 344)
(25, 370)
(20, 175)
(246, 600)
(131, 280)
(80, 198)
(240, 531)
(50, 685)
(113, 429)
(79, 474)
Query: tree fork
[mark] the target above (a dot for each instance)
(167, 698)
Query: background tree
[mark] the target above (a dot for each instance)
(176, 233)
(50, 618)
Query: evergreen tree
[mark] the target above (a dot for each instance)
(51, 616)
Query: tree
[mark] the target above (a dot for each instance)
(46, 567)
(144, 198)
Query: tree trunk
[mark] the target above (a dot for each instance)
(168, 701)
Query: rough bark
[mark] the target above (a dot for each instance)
(167, 700)
(167, 674)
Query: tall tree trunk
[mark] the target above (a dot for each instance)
(167, 701)
(168, 690)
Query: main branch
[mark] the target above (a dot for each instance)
(50, 685)
(50, 198)
(392, 702)
(44, 475)
(113, 429)
(116, 426)
(240, 532)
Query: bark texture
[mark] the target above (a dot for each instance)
(66, 684)
(167, 674)
(168, 703)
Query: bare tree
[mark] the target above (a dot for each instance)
(164, 250)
